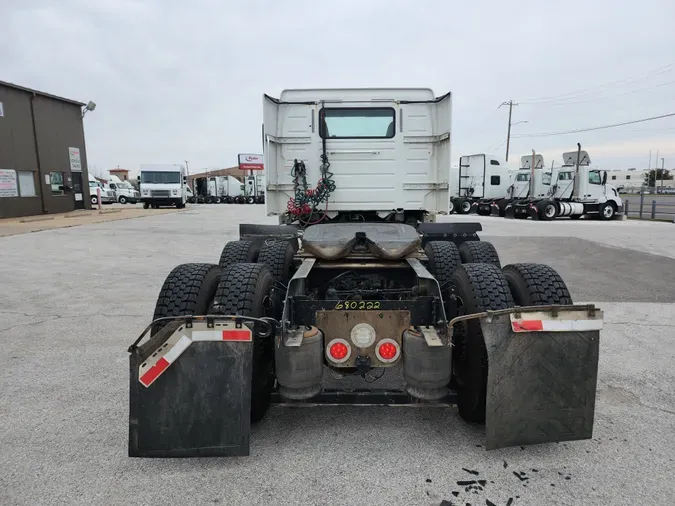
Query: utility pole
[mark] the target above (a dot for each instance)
(662, 172)
(508, 132)
(187, 167)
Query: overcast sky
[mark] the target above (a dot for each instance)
(183, 80)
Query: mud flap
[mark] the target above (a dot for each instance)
(534, 212)
(494, 209)
(542, 377)
(509, 211)
(190, 392)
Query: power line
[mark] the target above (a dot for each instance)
(556, 103)
(580, 93)
(550, 134)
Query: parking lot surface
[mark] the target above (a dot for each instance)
(74, 299)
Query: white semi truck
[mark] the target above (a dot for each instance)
(255, 189)
(163, 185)
(359, 279)
(481, 178)
(577, 190)
(107, 194)
(124, 192)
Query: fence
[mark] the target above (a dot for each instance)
(658, 207)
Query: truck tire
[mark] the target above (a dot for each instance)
(122, 199)
(146, 205)
(243, 290)
(187, 290)
(547, 210)
(536, 285)
(94, 199)
(238, 252)
(478, 252)
(278, 256)
(479, 287)
(463, 206)
(443, 260)
(607, 211)
(250, 200)
(451, 207)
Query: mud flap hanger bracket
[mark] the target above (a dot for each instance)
(269, 324)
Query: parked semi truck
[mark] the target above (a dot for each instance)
(532, 181)
(359, 279)
(124, 192)
(163, 185)
(107, 195)
(578, 190)
(255, 189)
(480, 179)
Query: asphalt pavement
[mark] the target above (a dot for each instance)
(74, 299)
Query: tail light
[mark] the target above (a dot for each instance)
(388, 351)
(338, 351)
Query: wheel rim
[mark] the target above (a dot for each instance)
(451, 207)
(466, 207)
(550, 211)
(609, 211)
(94, 201)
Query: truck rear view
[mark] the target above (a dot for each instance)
(377, 153)
(365, 287)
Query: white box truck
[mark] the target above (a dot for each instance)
(163, 185)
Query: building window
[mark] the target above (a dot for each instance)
(494, 162)
(357, 123)
(627, 177)
(26, 183)
(495, 180)
(614, 178)
(56, 182)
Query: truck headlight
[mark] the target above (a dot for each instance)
(175, 192)
(146, 192)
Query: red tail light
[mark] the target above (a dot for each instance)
(338, 351)
(388, 350)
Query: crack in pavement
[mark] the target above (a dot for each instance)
(54, 317)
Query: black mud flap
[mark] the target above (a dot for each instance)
(509, 211)
(541, 385)
(198, 405)
(457, 232)
(494, 209)
(533, 211)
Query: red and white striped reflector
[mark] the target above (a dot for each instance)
(522, 325)
(174, 347)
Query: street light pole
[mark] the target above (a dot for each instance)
(662, 173)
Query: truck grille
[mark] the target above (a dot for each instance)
(160, 193)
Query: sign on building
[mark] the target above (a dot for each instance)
(251, 162)
(75, 162)
(8, 186)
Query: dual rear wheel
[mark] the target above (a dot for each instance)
(479, 284)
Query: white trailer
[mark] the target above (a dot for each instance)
(163, 185)
(402, 136)
(481, 179)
